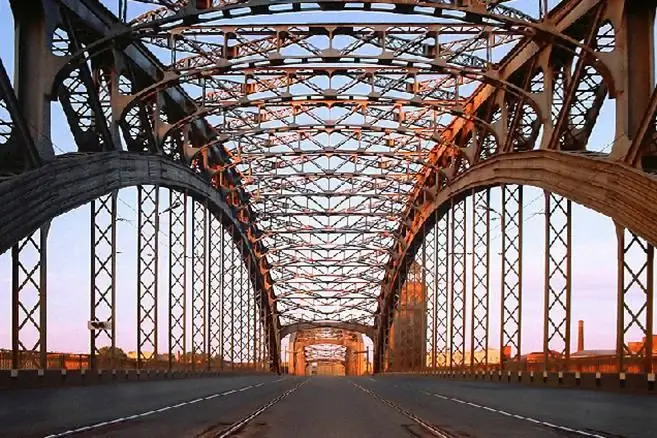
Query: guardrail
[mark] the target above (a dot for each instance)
(72, 361)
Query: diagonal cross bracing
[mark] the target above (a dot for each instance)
(329, 127)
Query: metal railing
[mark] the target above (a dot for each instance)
(73, 361)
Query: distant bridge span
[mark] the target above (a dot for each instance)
(351, 326)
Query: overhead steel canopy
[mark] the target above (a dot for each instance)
(332, 128)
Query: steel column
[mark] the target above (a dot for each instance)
(480, 277)
(148, 230)
(422, 312)
(242, 319)
(199, 279)
(29, 278)
(458, 289)
(635, 44)
(431, 284)
(177, 275)
(253, 315)
(214, 290)
(511, 305)
(635, 302)
(33, 72)
(558, 261)
(443, 288)
(227, 308)
(103, 276)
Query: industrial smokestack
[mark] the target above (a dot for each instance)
(580, 335)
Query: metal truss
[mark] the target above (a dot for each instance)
(511, 304)
(479, 316)
(215, 289)
(148, 231)
(558, 262)
(443, 288)
(457, 297)
(325, 352)
(430, 280)
(327, 154)
(177, 275)
(103, 275)
(332, 145)
(17, 149)
(635, 301)
(326, 344)
(29, 292)
(241, 323)
(228, 298)
(199, 283)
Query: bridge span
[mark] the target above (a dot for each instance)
(323, 218)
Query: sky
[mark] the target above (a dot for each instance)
(593, 276)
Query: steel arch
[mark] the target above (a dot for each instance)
(64, 184)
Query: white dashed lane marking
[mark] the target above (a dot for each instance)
(156, 411)
(516, 416)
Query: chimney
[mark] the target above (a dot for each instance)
(580, 335)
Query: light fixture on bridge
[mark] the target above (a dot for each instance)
(95, 325)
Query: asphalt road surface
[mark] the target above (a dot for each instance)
(360, 407)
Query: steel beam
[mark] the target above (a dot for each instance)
(350, 326)
(29, 278)
(103, 277)
(558, 263)
(431, 282)
(215, 272)
(199, 283)
(562, 17)
(480, 278)
(443, 288)
(511, 278)
(635, 303)
(457, 297)
(148, 233)
(635, 42)
(32, 36)
(177, 275)
(228, 298)
(14, 132)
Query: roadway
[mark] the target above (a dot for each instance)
(360, 407)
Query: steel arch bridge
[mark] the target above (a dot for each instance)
(335, 173)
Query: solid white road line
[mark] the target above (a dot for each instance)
(147, 413)
(516, 416)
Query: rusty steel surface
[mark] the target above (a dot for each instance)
(325, 152)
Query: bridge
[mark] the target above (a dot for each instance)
(376, 218)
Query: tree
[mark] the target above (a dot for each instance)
(106, 352)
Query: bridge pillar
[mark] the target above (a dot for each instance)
(298, 360)
(32, 79)
(34, 69)
(635, 75)
(407, 346)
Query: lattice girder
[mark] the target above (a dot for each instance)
(331, 132)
